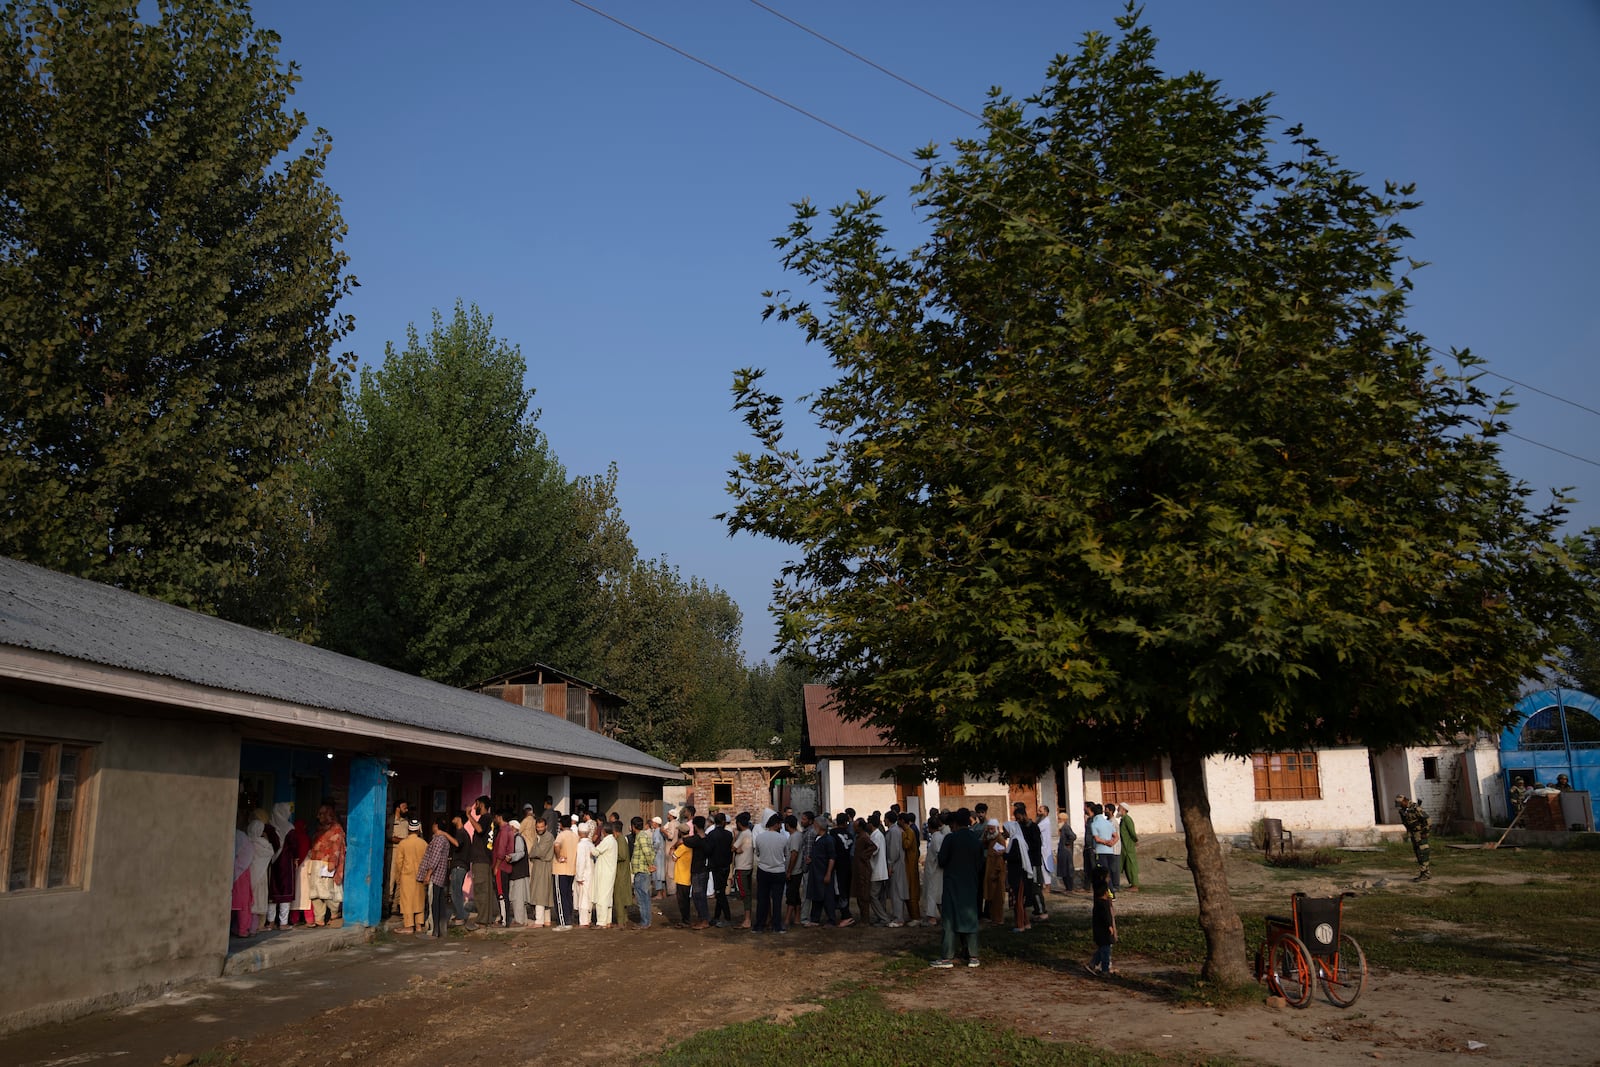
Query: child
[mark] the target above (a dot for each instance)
(1105, 923)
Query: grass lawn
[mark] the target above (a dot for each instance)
(1509, 915)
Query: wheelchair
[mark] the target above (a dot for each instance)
(1309, 946)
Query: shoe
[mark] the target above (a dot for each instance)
(972, 963)
(700, 925)
(892, 926)
(564, 926)
(943, 965)
(1018, 930)
(807, 922)
(1423, 877)
(846, 922)
(1091, 969)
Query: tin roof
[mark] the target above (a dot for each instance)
(53, 613)
(825, 729)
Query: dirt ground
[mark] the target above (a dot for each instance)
(618, 996)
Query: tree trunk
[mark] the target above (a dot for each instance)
(1225, 954)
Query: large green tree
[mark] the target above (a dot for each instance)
(169, 272)
(1578, 664)
(449, 524)
(1135, 455)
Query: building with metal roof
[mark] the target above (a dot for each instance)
(133, 734)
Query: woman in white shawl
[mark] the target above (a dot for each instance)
(605, 877)
(261, 856)
(932, 873)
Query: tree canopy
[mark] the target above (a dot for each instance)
(449, 522)
(1135, 454)
(169, 272)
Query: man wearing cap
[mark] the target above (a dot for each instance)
(1415, 821)
(411, 898)
(658, 844)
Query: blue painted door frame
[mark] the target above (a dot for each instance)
(364, 840)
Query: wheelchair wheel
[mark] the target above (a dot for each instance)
(1345, 983)
(1291, 976)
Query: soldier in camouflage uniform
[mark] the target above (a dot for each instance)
(1416, 824)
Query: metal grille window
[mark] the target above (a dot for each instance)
(42, 822)
(1286, 776)
(1133, 784)
(578, 705)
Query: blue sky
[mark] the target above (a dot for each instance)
(612, 204)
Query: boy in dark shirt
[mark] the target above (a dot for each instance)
(1104, 922)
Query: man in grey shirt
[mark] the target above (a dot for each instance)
(772, 865)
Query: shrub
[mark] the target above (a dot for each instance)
(1296, 857)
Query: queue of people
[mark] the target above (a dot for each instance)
(285, 875)
(767, 873)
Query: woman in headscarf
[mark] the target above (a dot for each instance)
(243, 853)
(604, 877)
(280, 876)
(1019, 870)
(260, 859)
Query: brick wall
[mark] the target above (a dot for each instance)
(1542, 811)
(751, 791)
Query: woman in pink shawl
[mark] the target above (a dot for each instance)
(243, 852)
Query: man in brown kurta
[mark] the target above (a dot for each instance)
(411, 895)
(541, 871)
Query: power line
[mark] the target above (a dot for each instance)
(1029, 223)
(1553, 448)
(1542, 392)
(748, 85)
(1071, 164)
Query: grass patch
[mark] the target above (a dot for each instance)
(859, 1029)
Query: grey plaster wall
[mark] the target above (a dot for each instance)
(153, 909)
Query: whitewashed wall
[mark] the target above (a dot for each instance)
(1345, 807)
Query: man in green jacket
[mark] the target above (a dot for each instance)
(1130, 848)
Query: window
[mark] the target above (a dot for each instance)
(41, 813)
(1134, 784)
(1286, 776)
(722, 793)
(578, 705)
(1430, 768)
(533, 696)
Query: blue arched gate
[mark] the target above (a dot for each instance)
(1557, 732)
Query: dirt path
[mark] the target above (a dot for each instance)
(590, 996)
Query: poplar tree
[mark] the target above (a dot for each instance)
(449, 523)
(1135, 455)
(170, 266)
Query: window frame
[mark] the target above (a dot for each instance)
(1273, 785)
(12, 749)
(732, 792)
(1116, 782)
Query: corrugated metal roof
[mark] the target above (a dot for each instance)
(825, 729)
(49, 612)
